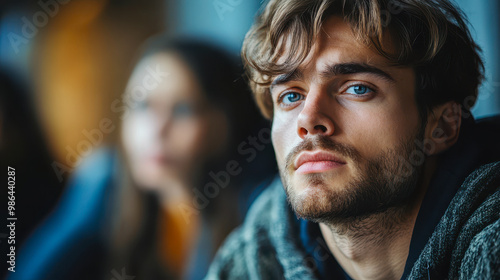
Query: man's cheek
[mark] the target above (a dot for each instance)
(280, 145)
(277, 144)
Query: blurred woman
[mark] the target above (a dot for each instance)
(188, 112)
(160, 207)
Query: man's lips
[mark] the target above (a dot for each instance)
(316, 162)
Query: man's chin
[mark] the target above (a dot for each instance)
(326, 181)
(314, 200)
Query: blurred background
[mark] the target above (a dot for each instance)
(68, 63)
(65, 66)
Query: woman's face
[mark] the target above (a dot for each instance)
(170, 129)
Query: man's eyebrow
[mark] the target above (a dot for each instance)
(332, 70)
(285, 78)
(354, 68)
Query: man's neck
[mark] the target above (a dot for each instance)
(366, 250)
(376, 247)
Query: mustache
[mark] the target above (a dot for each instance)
(324, 143)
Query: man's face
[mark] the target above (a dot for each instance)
(344, 127)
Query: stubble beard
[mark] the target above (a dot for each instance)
(385, 184)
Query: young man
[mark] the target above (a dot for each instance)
(382, 165)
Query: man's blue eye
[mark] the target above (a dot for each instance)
(358, 90)
(291, 97)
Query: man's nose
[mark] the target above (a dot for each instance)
(315, 117)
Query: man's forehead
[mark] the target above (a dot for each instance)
(336, 43)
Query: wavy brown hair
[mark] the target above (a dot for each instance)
(431, 36)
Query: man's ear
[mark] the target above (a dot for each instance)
(443, 126)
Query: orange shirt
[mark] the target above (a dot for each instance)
(179, 231)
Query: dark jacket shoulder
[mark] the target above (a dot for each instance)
(466, 242)
(266, 246)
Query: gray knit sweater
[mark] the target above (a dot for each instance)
(465, 244)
